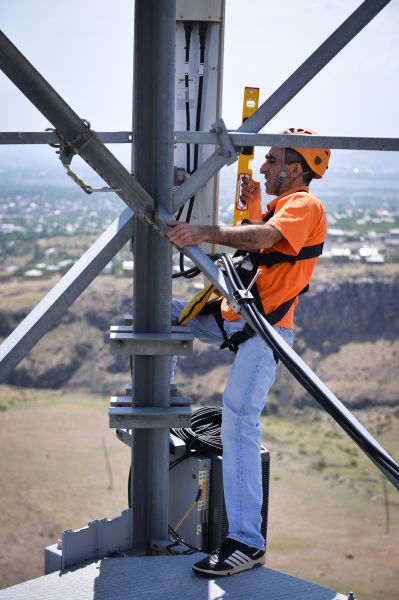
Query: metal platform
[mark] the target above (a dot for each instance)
(141, 578)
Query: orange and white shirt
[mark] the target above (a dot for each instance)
(299, 217)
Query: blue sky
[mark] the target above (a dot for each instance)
(84, 49)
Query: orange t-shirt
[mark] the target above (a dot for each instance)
(299, 217)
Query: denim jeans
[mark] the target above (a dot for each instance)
(249, 381)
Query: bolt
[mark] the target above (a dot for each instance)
(119, 344)
(119, 418)
(185, 345)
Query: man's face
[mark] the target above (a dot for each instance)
(271, 168)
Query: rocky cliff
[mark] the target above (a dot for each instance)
(347, 331)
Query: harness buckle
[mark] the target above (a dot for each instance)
(247, 263)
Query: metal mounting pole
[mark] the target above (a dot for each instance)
(152, 158)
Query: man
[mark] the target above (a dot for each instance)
(293, 230)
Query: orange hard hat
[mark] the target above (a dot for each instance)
(317, 158)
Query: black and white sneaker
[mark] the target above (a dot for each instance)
(232, 557)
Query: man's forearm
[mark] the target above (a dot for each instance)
(247, 237)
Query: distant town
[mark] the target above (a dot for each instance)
(46, 224)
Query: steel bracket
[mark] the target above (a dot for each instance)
(149, 417)
(129, 400)
(129, 390)
(124, 341)
(226, 147)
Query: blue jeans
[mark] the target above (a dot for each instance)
(249, 381)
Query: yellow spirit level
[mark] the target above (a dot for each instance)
(250, 104)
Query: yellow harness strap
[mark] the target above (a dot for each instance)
(197, 303)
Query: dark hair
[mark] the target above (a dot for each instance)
(292, 156)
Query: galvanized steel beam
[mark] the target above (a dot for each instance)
(309, 69)
(152, 164)
(286, 141)
(238, 139)
(51, 308)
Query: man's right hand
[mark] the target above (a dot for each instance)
(251, 194)
(184, 234)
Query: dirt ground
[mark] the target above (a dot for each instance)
(53, 476)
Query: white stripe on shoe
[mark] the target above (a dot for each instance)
(242, 556)
(233, 562)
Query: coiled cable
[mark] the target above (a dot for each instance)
(204, 435)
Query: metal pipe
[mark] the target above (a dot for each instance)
(153, 124)
(313, 65)
(51, 308)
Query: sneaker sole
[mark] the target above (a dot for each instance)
(208, 573)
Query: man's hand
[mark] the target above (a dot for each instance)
(183, 234)
(251, 195)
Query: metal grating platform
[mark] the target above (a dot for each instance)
(141, 578)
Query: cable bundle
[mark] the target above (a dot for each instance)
(204, 434)
(309, 380)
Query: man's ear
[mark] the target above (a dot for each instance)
(297, 168)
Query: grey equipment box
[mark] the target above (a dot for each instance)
(189, 498)
(218, 524)
(189, 480)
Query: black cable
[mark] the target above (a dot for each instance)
(313, 385)
(183, 542)
(203, 26)
(193, 271)
(202, 29)
(176, 462)
(188, 28)
(204, 434)
(324, 396)
(188, 273)
(330, 403)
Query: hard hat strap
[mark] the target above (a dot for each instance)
(281, 175)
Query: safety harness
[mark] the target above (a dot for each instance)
(247, 271)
